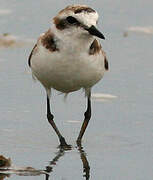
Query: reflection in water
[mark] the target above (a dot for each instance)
(86, 167)
(6, 169)
(61, 152)
(29, 171)
(49, 168)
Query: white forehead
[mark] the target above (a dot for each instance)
(86, 18)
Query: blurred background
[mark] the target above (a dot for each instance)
(118, 142)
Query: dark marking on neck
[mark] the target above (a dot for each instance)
(106, 64)
(95, 48)
(48, 41)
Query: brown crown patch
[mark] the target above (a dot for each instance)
(95, 48)
(78, 9)
(48, 41)
(84, 9)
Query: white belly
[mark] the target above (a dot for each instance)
(67, 73)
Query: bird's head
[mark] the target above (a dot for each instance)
(78, 20)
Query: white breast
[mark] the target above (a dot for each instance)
(67, 70)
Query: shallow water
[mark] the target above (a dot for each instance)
(118, 142)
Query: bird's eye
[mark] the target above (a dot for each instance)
(71, 20)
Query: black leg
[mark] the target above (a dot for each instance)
(87, 115)
(50, 118)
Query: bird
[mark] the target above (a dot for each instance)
(69, 57)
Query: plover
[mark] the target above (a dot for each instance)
(69, 57)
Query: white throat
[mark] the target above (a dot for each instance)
(72, 39)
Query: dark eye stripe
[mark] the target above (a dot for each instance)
(71, 20)
(66, 23)
(61, 24)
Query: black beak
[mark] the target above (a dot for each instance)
(95, 32)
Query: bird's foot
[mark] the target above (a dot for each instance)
(79, 142)
(63, 145)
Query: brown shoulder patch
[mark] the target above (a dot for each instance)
(32, 52)
(95, 47)
(48, 41)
